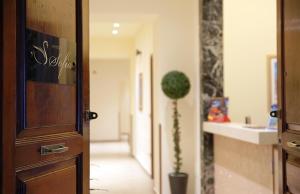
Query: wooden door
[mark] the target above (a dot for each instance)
(289, 95)
(45, 97)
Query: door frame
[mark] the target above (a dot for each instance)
(86, 93)
(13, 19)
(1, 53)
(281, 96)
(8, 86)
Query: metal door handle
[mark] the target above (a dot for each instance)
(293, 144)
(53, 149)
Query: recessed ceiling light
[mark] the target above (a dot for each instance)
(116, 25)
(115, 32)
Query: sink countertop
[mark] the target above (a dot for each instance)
(261, 136)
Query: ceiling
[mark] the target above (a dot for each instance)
(101, 25)
(104, 29)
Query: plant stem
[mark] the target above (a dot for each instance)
(176, 138)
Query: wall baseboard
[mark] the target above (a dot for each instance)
(156, 191)
(141, 165)
(105, 141)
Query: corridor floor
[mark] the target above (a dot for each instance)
(113, 171)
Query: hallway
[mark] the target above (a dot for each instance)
(113, 171)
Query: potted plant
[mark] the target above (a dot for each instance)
(176, 85)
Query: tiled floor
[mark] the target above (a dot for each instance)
(113, 171)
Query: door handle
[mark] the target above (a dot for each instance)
(53, 149)
(293, 144)
(89, 115)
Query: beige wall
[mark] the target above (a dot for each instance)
(111, 47)
(110, 58)
(142, 131)
(125, 111)
(176, 46)
(249, 36)
(110, 98)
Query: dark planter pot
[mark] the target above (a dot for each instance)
(178, 182)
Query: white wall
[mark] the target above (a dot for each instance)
(249, 36)
(142, 132)
(176, 46)
(109, 95)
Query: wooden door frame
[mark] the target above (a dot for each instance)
(12, 19)
(281, 96)
(1, 54)
(9, 80)
(86, 94)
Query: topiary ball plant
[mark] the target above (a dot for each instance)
(176, 85)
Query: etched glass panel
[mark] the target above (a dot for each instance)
(50, 59)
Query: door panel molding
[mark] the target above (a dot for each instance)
(74, 143)
(291, 138)
(60, 109)
(47, 130)
(64, 168)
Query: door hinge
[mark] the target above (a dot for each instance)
(279, 141)
(89, 115)
(276, 114)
